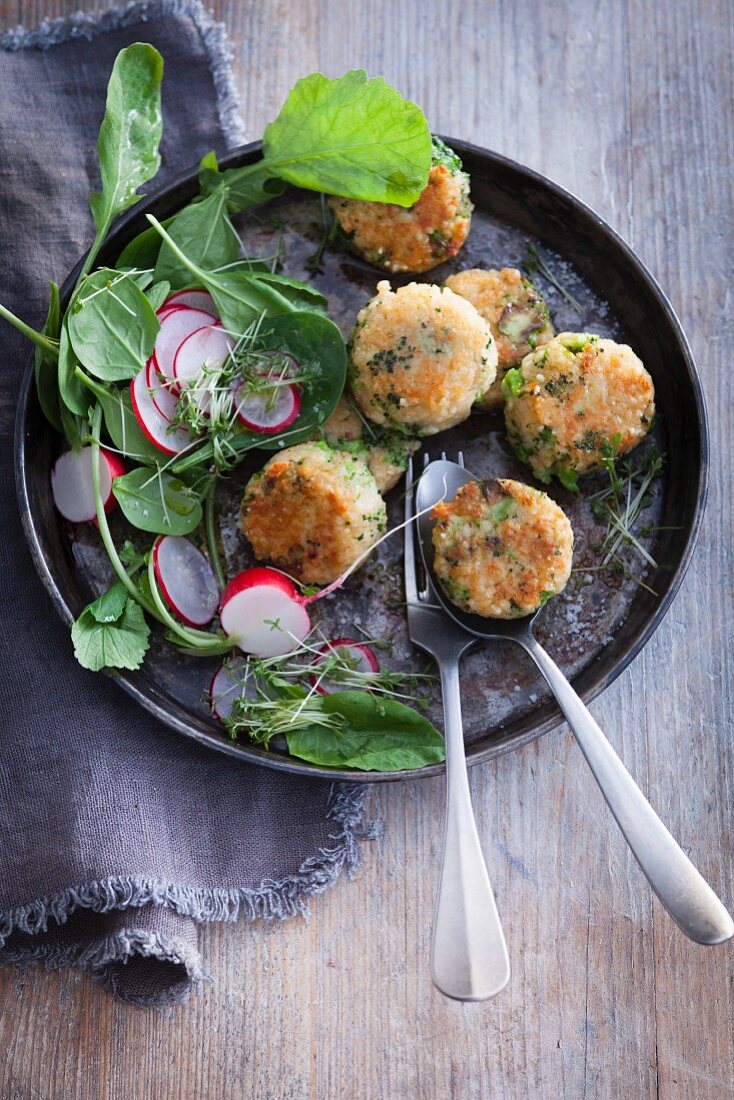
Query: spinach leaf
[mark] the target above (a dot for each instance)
(72, 392)
(130, 133)
(317, 346)
(111, 632)
(351, 136)
(122, 425)
(300, 295)
(376, 734)
(112, 326)
(142, 251)
(157, 502)
(157, 294)
(45, 365)
(204, 232)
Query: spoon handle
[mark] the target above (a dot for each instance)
(683, 891)
(469, 955)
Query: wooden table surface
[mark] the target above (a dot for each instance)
(629, 105)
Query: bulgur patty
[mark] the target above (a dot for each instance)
(516, 313)
(312, 511)
(385, 452)
(576, 401)
(419, 358)
(501, 548)
(418, 237)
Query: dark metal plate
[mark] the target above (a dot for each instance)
(593, 630)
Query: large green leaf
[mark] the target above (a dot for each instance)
(375, 734)
(112, 325)
(130, 133)
(351, 136)
(204, 232)
(156, 502)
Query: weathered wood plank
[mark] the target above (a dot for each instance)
(629, 105)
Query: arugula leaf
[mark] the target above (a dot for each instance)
(155, 501)
(352, 136)
(111, 632)
(130, 133)
(204, 232)
(112, 325)
(373, 733)
(45, 365)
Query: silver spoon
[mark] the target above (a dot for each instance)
(683, 891)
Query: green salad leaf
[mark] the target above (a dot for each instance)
(369, 732)
(130, 133)
(71, 391)
(111, 632)
(45, 364)
(154, 501)
(141, 253)
(157, 293)
(112, 325)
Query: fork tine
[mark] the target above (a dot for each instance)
(443, 456)
(426, 459)
(460, 459)
(411, 585)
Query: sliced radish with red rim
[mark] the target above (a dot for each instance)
(263, 613)
(360, 657)
(269, 410)
(194, 299)
(71, 483)
(186, 580)
(207, 347)
(153, 424)
(164, 400)
(179, 323)
(228, 684)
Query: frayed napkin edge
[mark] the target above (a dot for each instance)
(89, 25)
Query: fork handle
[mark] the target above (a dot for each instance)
(686, 895)
(469, 955)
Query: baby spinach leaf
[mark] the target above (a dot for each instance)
(157, 502)
(376, 734)
(130, 132)
(112, 326)
(351, 136)
(46, 365)
(157, 294)
(111, 632)
(123, 428)
(302, 296)
(204, 232)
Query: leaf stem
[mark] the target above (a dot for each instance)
(38, 338)
(211, 534)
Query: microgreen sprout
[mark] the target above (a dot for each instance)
(536, 265)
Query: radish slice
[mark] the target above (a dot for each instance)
(186, 580)
(175, 327)
(208, 346)
(194, 299)
(263, 613)
(267, 411)
(165, 402)
(228, 684)
(363, 657)
(71, 483)
(153, 424)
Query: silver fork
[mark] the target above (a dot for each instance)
(469, 959)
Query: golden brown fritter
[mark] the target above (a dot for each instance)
(576, 401)
(419, 358)
(501, 548)
(516, 313)
(312, 511)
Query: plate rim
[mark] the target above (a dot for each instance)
(160, 707)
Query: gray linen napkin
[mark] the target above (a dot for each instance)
(117, 835)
